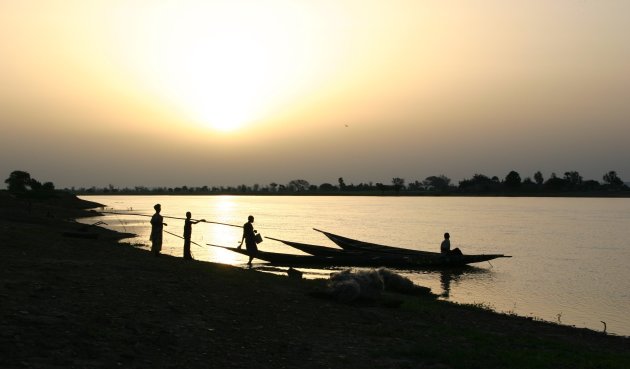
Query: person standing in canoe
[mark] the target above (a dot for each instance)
(249, 236)
(188, 233)
(445, 247)
(157, 224)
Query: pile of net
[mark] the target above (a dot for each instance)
(349, 285)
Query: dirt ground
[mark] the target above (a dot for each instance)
(70, 302)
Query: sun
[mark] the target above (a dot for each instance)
(222, 122)
(221, 80)
(218, 65)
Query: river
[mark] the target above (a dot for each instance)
(569, 262)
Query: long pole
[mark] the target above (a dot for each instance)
(176, 235)
(168, 217)
(223, 247)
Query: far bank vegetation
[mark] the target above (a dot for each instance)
(571, 183)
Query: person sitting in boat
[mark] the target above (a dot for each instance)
(445, 247)
(249, 236)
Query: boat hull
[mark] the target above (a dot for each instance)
(368, 260)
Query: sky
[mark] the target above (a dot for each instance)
(223, 93)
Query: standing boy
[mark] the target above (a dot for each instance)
(188, 233)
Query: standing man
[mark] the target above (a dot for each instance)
(249, 235)
(157, 224)
(188, 233)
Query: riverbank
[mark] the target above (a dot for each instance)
(568, 194)
(94, 303)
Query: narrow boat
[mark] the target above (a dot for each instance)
(425, 258)
(350, 244)
(312, 249)
(282, 259)
(345, 259)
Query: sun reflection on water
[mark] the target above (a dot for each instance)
(222, 236)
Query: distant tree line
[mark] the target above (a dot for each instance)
(21, 182)
(570, 184)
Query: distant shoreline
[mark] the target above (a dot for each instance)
(620, 194)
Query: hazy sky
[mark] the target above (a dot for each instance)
(171, 93)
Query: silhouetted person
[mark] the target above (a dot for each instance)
(445, 247)
(188, 233)
(249, 236)
(157, 224)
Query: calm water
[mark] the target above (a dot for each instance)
(570, 256)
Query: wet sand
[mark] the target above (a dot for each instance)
(70, 302)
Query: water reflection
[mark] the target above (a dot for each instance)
(223, 236)
(445, 279)
(224, 205)
(446, 276)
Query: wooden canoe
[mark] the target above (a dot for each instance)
(312, 249)
(419, 257)
(350, 244)
(430, 260)
(277, 258)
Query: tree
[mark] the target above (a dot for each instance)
(528, 182)
(273, 186)
(512, 180)
(415, 186)
(48, 186)
(298, 185)
(556, 184)
(399, 183)
(439, 183)
(342, 184)
(381, 187)
(479, 183)
(327, 187)
(538, 177)
(35, 185)
(612, 179)
(591, 185)
(18, 181)
(574, 179)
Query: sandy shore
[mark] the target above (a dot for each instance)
(70, 302)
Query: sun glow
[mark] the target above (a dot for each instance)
(220, 66)
(219, 81)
